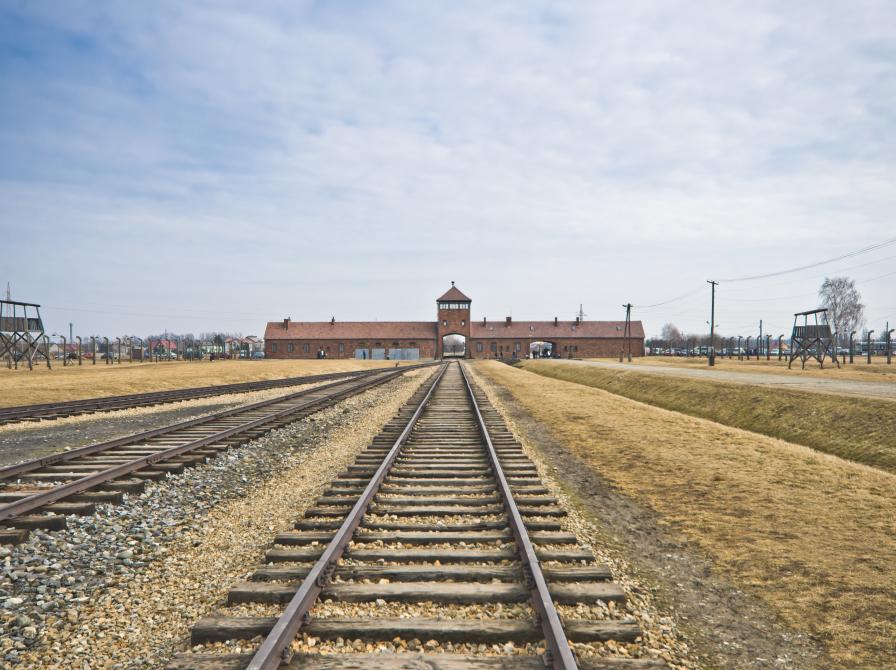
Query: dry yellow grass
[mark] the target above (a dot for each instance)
(26, 387)
(812, 535)
(860, 370)
(860, 429)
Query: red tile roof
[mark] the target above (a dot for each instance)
(351, 330)
(546, 330)
(453, 294)
(426, 330)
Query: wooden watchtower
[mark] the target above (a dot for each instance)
(22, 333)
(812, 340)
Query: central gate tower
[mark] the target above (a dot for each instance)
(453, 311)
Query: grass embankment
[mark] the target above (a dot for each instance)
(812, 535)
(860, 370)
(859, 429)
(73, 382)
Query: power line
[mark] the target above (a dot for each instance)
(851, 254)
(828, 274)
(671, 300)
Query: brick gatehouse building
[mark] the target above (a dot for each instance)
(433, 339)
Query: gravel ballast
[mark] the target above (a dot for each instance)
(121, 588)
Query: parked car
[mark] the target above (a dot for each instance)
(257, 355)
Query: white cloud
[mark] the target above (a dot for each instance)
(607, 152)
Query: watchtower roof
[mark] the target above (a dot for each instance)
(453, 294)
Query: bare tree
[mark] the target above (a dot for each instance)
(843, 302)
(671, 335)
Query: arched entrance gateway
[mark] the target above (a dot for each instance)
(454, 346)
(453, 313)
(543, 349)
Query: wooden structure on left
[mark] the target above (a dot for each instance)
(812, 340)
(22, 336)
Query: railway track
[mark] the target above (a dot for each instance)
(40, 493)
(50, 411)
(443, 514)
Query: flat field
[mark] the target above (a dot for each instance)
(811, 535)
(852, 427)
(73, 382)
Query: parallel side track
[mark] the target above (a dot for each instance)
(49, 411)
(32, 494)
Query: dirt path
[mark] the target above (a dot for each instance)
(868, 389)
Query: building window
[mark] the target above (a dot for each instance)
(479, 347)
(445, 324)
(290, 348)
(306, 347)
(463, 322)
(516, 346)
(341, 348)
(274, 348)
(494, 346)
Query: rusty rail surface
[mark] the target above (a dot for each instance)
(49, 411)
(559, 654)
(41, 499)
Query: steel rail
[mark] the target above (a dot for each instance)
(559, 653)
(10, 471)
(110, 403)
(57, 493)
(275, 648)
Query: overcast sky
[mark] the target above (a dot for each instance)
(214, 165)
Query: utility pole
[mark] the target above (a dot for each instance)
(759, 341)
(628, 333)
(889, 342)
(712, 324)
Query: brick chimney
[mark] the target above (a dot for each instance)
(286, 323)
(508, 321)
(332, 320)
(577, 320)
(483, 322)
(555, 322)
